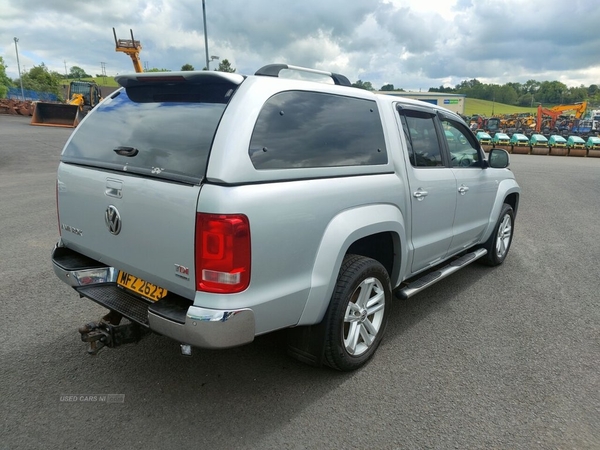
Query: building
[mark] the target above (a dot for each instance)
(453, 102)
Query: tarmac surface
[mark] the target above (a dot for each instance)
(504, 358)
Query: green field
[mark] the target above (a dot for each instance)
(103, 81)
(485, 107)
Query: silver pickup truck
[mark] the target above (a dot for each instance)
(214, 207)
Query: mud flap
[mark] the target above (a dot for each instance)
(307, 344)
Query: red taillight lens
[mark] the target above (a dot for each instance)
(57, 212)
(222, 252)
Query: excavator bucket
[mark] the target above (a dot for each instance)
(56, 115)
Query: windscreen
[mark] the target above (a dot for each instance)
(157, 130)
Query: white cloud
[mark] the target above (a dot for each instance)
(408, 43)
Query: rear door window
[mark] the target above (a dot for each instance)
(423, 144)
(157, 130)
(298, 129)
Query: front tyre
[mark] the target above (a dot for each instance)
(358, 312)
(499, 242)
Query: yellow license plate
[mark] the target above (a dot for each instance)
(147, 290)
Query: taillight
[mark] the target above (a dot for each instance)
(222, 252)
(57, 212)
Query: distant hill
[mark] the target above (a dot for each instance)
(485, 107)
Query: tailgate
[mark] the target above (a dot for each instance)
(131, 173)
(142, 226)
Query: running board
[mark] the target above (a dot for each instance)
(433, 277)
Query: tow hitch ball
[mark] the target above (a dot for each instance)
(108, 333)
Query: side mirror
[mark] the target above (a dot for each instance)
(498, 158)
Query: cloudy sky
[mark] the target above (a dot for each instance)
(412, 44)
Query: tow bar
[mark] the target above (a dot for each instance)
(108, 333)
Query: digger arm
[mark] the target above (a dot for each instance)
(137, 63)
(556, 111)
(131, 48)
(579, 108)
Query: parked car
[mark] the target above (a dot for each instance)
(212, 207)
(593, 142)
(500, 139)
(557, 140)
(575, 142)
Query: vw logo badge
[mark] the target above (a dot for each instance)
(113, 220)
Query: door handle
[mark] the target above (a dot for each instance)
(126, 151)
(462, 190)
(114, 188)
(420, 194)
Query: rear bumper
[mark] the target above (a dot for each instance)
(207, 328)
(172, 316)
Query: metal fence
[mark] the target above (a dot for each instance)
(15, 94)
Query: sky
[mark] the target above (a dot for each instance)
(412, 44)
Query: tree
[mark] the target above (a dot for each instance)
(187, 68)
(507, 94)
(387, 87)
(442, 88)
(5, 82)
(518, 87)
(363, 85)
(531, 86)
(40, 79)
(225, 66)
(526, 100)
(551, 92)
(576, 94)
(77, 72)
(594, 93)
(155, 69)
(475, 89)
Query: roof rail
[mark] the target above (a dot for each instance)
(272, 70)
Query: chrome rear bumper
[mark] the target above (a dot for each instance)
(172, 316)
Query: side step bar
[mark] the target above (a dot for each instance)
(433, 277)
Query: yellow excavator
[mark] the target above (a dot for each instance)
(82, 97)
(130, 47)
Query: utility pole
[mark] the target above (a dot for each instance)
(205, 34)
(19, 67)
(103, 64)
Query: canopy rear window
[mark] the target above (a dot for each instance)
(160, 130)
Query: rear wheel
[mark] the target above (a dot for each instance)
(499, 242)
(358, 312)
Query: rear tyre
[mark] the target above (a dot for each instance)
(499, 242)
(358, 312)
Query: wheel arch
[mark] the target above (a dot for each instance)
(508, 192)
(366, 230)
(513, 200)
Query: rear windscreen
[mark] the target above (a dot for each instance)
(158, 130)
